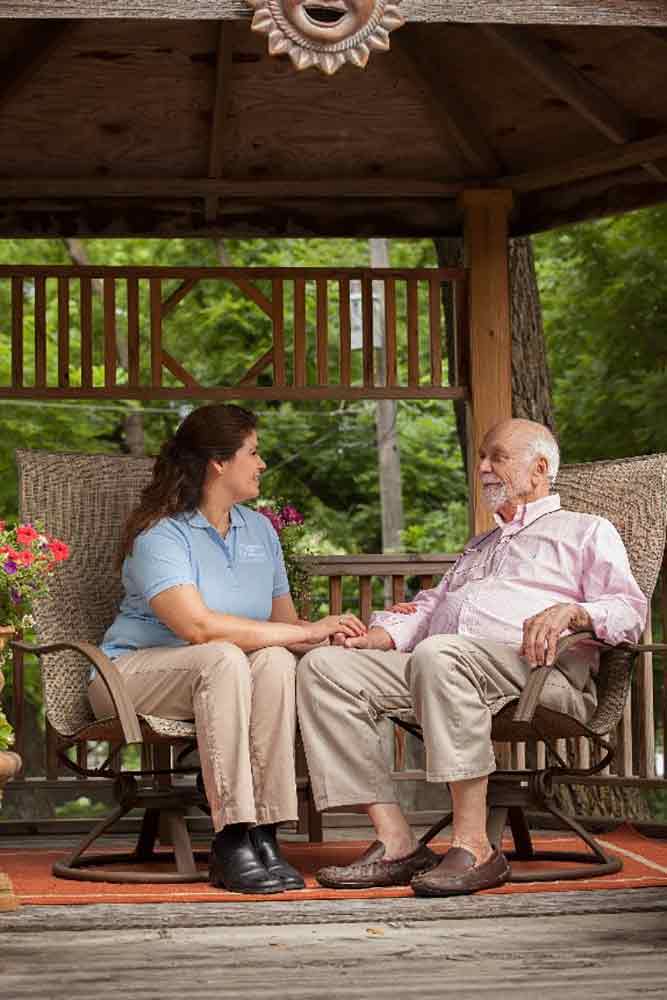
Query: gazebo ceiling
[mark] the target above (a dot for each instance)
(163, 127)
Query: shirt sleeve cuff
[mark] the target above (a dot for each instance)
(161, 585)
(399, 627)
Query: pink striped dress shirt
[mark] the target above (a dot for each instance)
(544, 556)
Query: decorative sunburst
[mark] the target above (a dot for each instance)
(326, 33)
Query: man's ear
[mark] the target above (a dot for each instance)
(541, 465)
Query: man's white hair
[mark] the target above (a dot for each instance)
(544, 444)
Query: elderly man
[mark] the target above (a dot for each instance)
(457, 655)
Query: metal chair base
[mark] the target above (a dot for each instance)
(165, 809)
(510, 796)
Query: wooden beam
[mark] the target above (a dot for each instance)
(579, 12)
(230, 273)
(184, 187)
(29, 55)
(453, 115)
(271, 392)
(568, 83)
(633, 154)
(564, 80)
(486, 217)
(259, 366)
(223, 72)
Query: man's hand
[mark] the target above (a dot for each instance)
(542, 631)
(375, 638)
(345, 624)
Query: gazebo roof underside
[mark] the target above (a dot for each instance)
(167, 128)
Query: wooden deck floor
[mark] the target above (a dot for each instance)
(556, 946)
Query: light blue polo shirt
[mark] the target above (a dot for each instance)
(236, 575)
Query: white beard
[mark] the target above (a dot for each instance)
(495, 495)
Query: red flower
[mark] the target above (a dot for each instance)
(273, 518)
(25, 558)
(26, 534)
(59, 550)
(290, 515)
(2, 525)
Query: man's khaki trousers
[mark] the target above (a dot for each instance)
(453, 684)
(243, 705)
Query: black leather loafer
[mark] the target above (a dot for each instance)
(265, 843)
(235, 865)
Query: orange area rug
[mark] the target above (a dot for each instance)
(644, 866)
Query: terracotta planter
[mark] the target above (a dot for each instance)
(10, 765)
(10, 762)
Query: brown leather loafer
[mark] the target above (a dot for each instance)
(371, 870)
(458, 874)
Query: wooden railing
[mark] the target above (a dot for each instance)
(362, 583)
(76, 332)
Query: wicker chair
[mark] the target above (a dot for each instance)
(85, 499)
(632, 494)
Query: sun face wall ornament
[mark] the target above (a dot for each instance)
(326, 33)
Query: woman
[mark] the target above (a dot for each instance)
(205, 631)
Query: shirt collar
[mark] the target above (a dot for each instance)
(197, 519)
(526, 513)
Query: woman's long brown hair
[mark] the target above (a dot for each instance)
(216, 431)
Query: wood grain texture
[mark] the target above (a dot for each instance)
(649, 12)
(486, 226)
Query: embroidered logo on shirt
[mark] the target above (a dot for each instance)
(252, 553)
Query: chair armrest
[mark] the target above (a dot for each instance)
(530, 696)
(109, 673)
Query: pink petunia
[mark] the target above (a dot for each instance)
(290, 515)
(59, 550)
(26, 534)
(274, 518)
(25, 558)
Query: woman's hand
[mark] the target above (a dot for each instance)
(403, 608)
(346, 624)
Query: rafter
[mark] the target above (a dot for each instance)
(29, 55)
(223, 72)
(629, 12)
(456, 119)
(633, 154)
(190, 187)
(564, 80)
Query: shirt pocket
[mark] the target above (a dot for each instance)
(469, 567)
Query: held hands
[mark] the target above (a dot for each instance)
(346, 625)
(542, 632)
(375, 638)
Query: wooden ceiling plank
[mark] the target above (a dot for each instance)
(632, 154)
(221, 100)
(566, 81)
(29, 55)
(456, 119)
(580, 12)
(185, 187)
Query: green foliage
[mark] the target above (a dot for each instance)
(603, 289)
(6, 732)
(81, 808)
(321, 455)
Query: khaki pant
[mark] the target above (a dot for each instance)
(243, 705)
(453, 684)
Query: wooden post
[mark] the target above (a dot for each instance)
(486, 214)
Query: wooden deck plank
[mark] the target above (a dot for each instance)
(371, 955)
